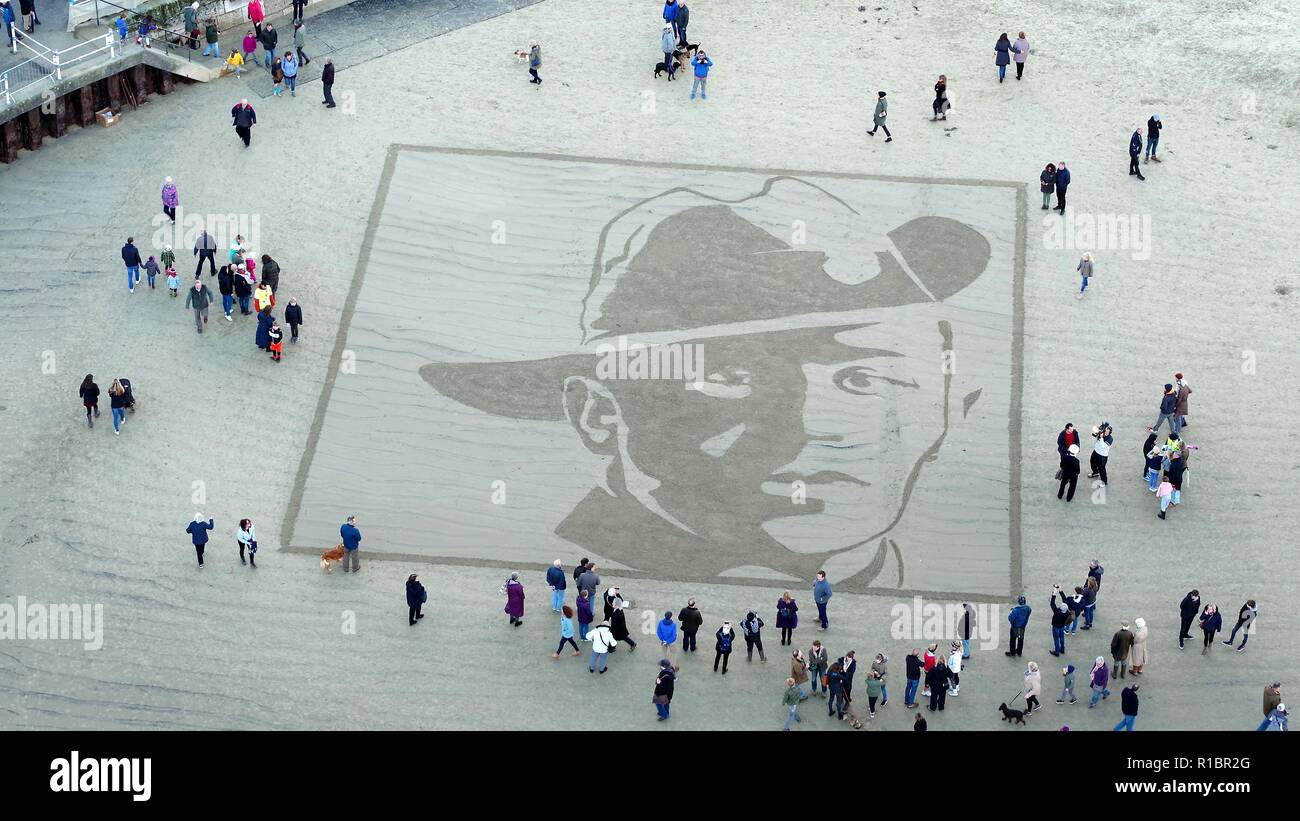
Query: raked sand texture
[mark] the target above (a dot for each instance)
(89, 517)
(855, 344)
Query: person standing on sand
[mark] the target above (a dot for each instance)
(585, 614)
(198, 531)
(1021, 48)
(298, 6)
(198, 298)
(1211, 622)
(263, 335)
(557, 582)
(1097, 681)
(821, 592)
(1153, 137)
(514, 590)
(1137, 654)
(941, 104)
(416, 596)
(205, 247)
(535, 63)
(913, 677)
(602, 642)
(256, 15)
(351, 537)
(663, 694)
(799, 672)
(263, 298)
(275, 337)
(117, 406)
(590, 582)
(1135, 151)
(171, 199)
(249, 46)
(566, 632)
(618, 626)
(878, 118)
(1245, 623)
(670, 16)
(691, 621)
(277, 76)
(1180, 407)
(787, 617)
(666, 632)
(1002, 55)
(726, 638)
(1062, 183)
(818, 664)
(1047, 184)
(269, 38)
(243, 118)
(683, 19)
(289, 66)
(243, 289)
(1120, 645)
(1067, 685)
(752, 627)
(1187, 610)
(793, 695)
(1018, 618)
(327, 82)
(1128, 699)
(702, 64)
(89, 393)
(1085, 272)
(211, 34)
(131, 256)
(226, 285)
(1069, 473)
(668, 42)
(246, 537)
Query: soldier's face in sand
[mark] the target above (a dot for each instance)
(806, 437)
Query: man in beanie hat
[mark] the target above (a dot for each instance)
(1019, 620)
(878, 118)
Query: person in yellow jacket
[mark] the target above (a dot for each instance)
(263, 298)
(236, 62)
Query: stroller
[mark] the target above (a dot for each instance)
(130, 397)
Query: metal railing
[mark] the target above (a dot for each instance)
(23, 76)
(47, 62)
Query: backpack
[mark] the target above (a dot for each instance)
(724, 642)
(751, 627)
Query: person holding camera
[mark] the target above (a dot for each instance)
(1103, 437)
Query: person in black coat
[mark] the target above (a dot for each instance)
(915, 667)
(416, 596)
(89, 393)
(293, 315)
(1190, 606)
(327, 82)
(1153, 137)
(937, 680)
(691, 621)
(618, 626)
(1211, 623)
(1069, 473)
(726, 641)
(1135, 151)
(243, 118)
(244, 291)
(664, 683)
(226, 285)
(270, 272)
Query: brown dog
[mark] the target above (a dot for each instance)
(329, 557)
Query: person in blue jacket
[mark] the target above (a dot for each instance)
(702, 65)
(351, 537)
(683, 18)
(1062, 183)
(1135, 151)
(670, 16)
(416, 596)
(667, 633)
(1002, 55)
(822, 596)
(555, 579)
(9, 22)
(198, 530)
(264, 321)
(1019, 619)
(131, 256)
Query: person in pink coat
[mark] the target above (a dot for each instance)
(249, 46)
(1021, 48)
(514, 600)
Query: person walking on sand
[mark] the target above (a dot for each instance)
(1135, 151)
(131, 257)
(726, 637)
(1272, 699)
(1128, 702)
(566, 632)
(1153, 137)
(618, 626)
(1187, 610)
(1033, 686)
(1211, 622)
(878, 118)
(1085, 273)
(1062, 183)
(514, 599)
(1171, 489)
(752, 627)
(702, 64)
(293, 315)
(205, 247)
(966, 623)
(1138, 653)
(586, 615)
(416, 596)
(1245, 623)
(289, 67)
(246, 537)
(89, 393)
(269, 38)
(1069, 473)
(327, 82)
(1021, 48)
(535, 63)
(557, 581)
(243, 118)
(248, 46)
(1002, 51)
(818, 664)
(602, 643)
(1047, 184)
(210, 35)
(665, 680)
(1067, 685)
(821, 592)
(590, 581)
(799, 672)
(277, 77)
(666, 632)
(1120, 645)
(1097, 681)
(255, 14)
(351, 537)
(941, 104)
(913, 674)
(226, 286)
(790, 700)
(117, 406)
(879, 669)
(171, 199)
(691, 621)
(1184, 394)
(954, 666)
(1019, 620)
(300, 40)
(787, 617)
(198, 298)
(198, 530)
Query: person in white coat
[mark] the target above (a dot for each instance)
(1033, 686)
(954, 664)
(246, 535)
(602, 641)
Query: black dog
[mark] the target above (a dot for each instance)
(660, 68)
(1009, 714)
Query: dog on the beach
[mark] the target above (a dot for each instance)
(329, 557)
(691, 48)
(671, 68)
(521, 55)
(1008, 714)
